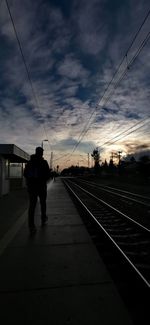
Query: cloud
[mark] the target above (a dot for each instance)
(137, 150)
(71, 57)
(136, 147)
(72, 68)
(70, 143)
(91, 30)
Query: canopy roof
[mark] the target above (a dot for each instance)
(13, 153)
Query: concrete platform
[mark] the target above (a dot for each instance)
(56, 277)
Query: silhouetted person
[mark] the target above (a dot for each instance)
(37, 174)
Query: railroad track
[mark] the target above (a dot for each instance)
(131, 238)
(135, 197)
(127, 202)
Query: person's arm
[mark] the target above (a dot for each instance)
(47, 171)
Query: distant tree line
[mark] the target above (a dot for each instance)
(132, 167)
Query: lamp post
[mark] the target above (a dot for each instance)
(42, 142)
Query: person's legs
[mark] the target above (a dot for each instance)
(32, 205)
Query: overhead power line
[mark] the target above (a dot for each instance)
(25, 64)
(116, 79)
(131, 132)
(110, 143)
(124, 132)
(126, 54)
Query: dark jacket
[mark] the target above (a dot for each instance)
(36, 171)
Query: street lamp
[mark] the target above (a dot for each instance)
(43, 141)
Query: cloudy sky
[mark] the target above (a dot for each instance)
(82, 80)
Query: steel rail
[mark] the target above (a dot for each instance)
(121, 251)
(123, 196)
(135, 194)
(113, 208)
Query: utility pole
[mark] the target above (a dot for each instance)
(51, 161)
(119, 157)
(112, 157)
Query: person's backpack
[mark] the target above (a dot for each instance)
(36, 169)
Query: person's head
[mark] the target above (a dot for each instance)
(39, 151)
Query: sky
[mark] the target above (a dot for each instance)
(81, 80)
